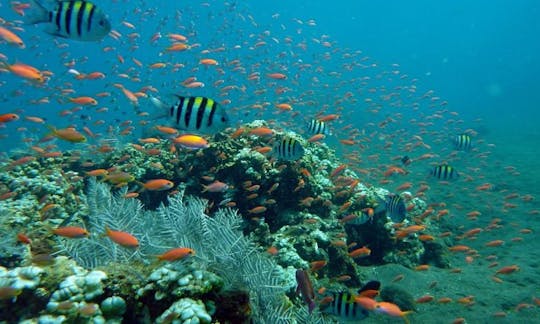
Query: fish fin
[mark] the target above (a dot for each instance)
(162, 109)
(37, 13)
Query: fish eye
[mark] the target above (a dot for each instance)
(223, 119)
(101, 22)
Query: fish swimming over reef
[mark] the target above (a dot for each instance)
(444, 172)
(77, 20)
(343, 303)
(288, 149)
(318, 127)
(462, 142)
(395, 208)
(194, 114)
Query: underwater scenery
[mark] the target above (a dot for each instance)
(269, 161)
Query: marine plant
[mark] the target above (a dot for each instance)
(220, 245)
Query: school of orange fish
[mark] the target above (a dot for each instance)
(56, 100)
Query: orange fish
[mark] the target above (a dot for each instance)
(68, 134)
(176, 254)
(167, 130)
(277, 76)
(158, 185)
(366, 302)
(177, 47)
(5, 118)
(122, 238)
(191, 142)
(317, 265)
(23, 239)
(84, 101)
(25, 71)
(257, 210)
(208, 61)
(391, 310)
(360, 253)
(261, 131)
(71, 231)
(10, 37)
(507, 269)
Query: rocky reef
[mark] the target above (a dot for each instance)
(251, 217)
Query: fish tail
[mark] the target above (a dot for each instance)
(37, 13)
(404, 316)
(161, 109)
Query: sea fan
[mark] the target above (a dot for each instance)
(218, 241)
(116, 213)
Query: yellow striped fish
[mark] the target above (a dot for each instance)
(195, 114)
(78, 20)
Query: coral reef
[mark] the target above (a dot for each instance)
(299, 210)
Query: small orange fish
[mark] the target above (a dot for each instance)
(216, 186)
(24, 239)
(158, 185)
(257, 210)
(422, 267)
(317, 265)
(494, 243)
(366, 302)
(507, 269)
(277, 76)
(424, 299)
(177, 47)
(208, 61)
(6, 118)
(360, 253)
(122, 238)
(10, 37)
(191, 142)
(97, 173)
(25, 71)
(167, 130)
(390, 309)
(176, 254)
(68, 134)
(84, 101)
(71, 231)
(261, 131)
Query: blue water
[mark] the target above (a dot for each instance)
(481, 56)
(481, 59)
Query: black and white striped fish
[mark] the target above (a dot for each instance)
(318, 127)
(462, 142)
(395, 208)
(78, 20)
(288, 149)
(194, 114)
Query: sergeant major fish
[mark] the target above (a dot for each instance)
(318, 127)
(343, 304)
(77, 20)
(288, 149)
(444, 172)
(462, 142)
(194, 114)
